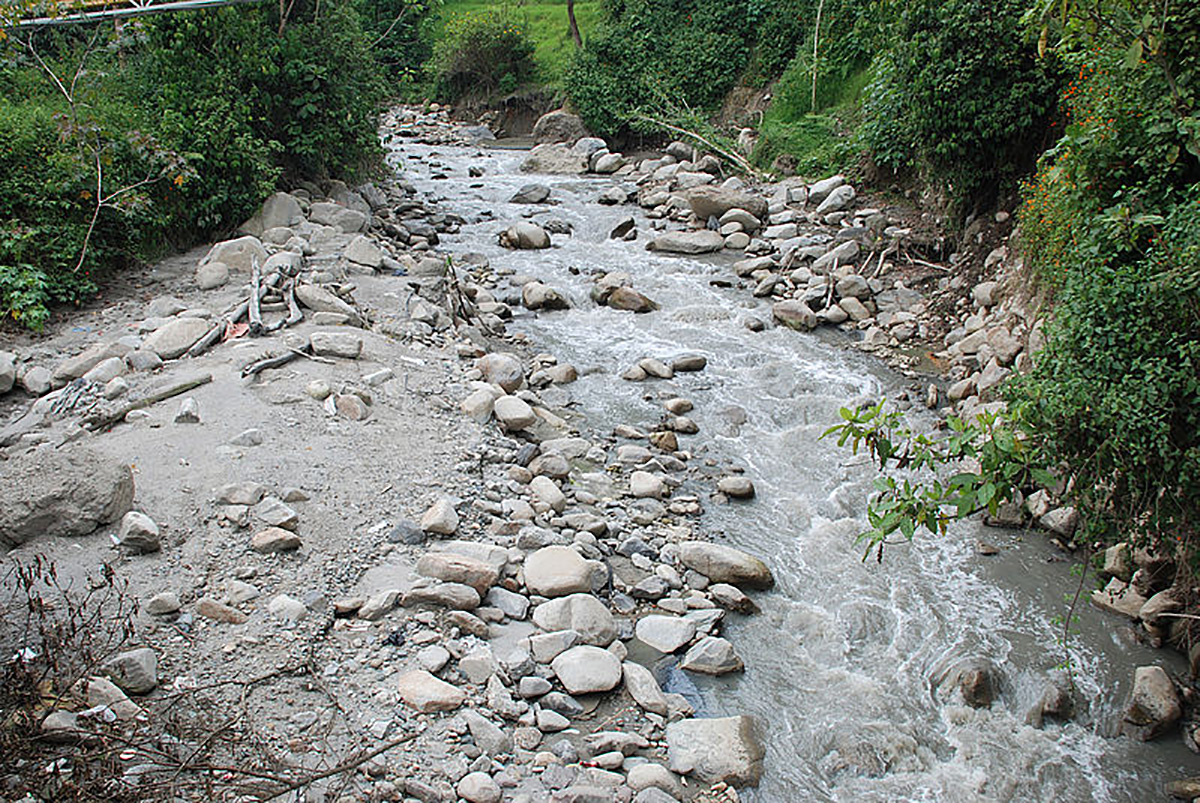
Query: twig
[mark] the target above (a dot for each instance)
(740, 161)
(254, 311)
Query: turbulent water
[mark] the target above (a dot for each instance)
(842, 662)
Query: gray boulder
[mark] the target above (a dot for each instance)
(724, 750)
(174, 338)
(708, 202)
(723, 564)
(688, 242)
(554, 159)
(61, 493)
(237, 254)
(559, 126)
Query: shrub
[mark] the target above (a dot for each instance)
(482, 52)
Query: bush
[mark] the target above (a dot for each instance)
(486, 51)
(965, 92)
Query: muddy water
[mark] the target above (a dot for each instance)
(842, 661)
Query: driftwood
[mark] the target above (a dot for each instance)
(280, 360)
(737, 159)
(100, 421)
(295, 314)
(209, 340)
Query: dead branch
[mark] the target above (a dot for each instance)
(737, 159)
(103, 420)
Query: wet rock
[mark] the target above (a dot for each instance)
(531, 194)
(525, 235)
(1186, 789)
(425, 693)
(587, 669)
(689, 362)
(719, 750)
(712, 655)
(135, 671)
(61, 493)
(139, 533)
(794, 314)
(582, 613)
(687, 242)
(665, 633)
(977, 679)
(441, 518)
(736, 487)
(626, 298)
(536, 295)
(723, 564)
(623, 229)
(1153, 704)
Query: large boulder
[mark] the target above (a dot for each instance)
(558, 571)
(1153, 704)
(794, 314)
(716, 201)
(587, 670)
(559, 126)
(525, 235)
(318, 299)
(723, 564)
(582, 613)
(688, 242)
(61, 493)
(175, 337)
(279, 210)
(237, 254)
(555, 159)
(724, 750)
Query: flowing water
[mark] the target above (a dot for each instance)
(841, 663)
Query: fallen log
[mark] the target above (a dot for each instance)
(102, 420)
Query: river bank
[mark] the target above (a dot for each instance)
(423, 537)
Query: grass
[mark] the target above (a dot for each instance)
(546, 21)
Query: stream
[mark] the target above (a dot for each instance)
(841, 663)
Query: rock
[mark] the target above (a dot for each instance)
(723, 564)
(135, 671)
(273, 540)
(525, 235)
(248, 437)
(237, 254)
(363, 250)
(1187, 789)
(545, 490)
(378, 605)
(842, 254)
(664, 633)
(1153, 704)
(977, 680)
(218, 611)
(794, 314)
(502, 369)
(318, 299)
(289, 609)
(37, 380)
(837, 200)
(275, 513)
(62, 727)
(820, 191)
(453, 568)
(626, 298)
(163, 604)
(731, 598)
(656, 368)
(712, 655)
(454, 596)
(736, 487)
(709, 202)
(557, 571)
(425, 693)
(644, 485)
(687, 242)
(587, 670)
(1119, 597)
(441, 518)
(984, 294)
(513, 413)
(212, 275)
(189, 412)
(61, 493)
(1061, 521)
(644, 689)
(102, 691)
(530, 194)
(609, 163)
(240, 493)
(623, 229)
(536, 295)
(582, 613)
(514, 605)
(478, 405)
(433, 657)
(478, 787)
(174, 338)
(689, 362)
(719, 750)
(139, 533)
(559, 126)
(336, 344)
(1118, 562)
(554, 159)
(349, 406)
(143, 360)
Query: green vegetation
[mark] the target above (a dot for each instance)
(482, 52)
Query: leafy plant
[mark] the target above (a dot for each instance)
(485, 51)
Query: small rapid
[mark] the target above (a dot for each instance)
(842, 663)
